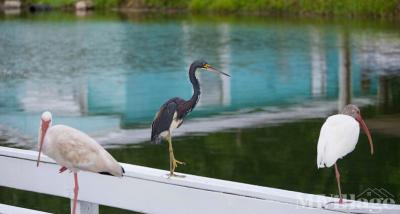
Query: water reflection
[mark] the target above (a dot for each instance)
(216, 90)
(344, 71)
(119, 79)
(388, 94)
(318, 64)
(83, 13)
(266, 156)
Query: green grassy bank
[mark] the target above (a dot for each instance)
(369, 8)
(295, 7)
(320, 7)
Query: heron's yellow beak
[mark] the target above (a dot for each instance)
(208, 67)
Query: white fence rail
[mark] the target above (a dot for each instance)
(151, 191)
(6, 209)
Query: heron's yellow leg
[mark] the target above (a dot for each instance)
(173, 163)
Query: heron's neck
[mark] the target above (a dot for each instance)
(196, 87)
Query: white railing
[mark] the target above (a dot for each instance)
(149, 190)
(7, 209)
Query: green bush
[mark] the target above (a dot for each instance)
(199, 5)
(223, 5)
(106, 3)
(167, 3)
(321, 7)
(54, 3)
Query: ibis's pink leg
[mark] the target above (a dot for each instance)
(76, 188)
(62, 169)
(338, 183)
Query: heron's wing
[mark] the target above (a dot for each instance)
(163, 120)
(338, 137)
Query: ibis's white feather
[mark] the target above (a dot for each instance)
(75, 150)
(46, 116)
(338, 137)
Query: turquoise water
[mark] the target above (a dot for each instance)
(111, 71)
(108, 72)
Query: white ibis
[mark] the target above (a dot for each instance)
(338, 137)
(74, 150)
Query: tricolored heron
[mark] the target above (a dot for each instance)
(171, 114)
(74, 150)
(338, 137)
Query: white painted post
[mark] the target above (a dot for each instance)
(84, 207)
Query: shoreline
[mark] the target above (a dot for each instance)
(173, 12)
(365, 11)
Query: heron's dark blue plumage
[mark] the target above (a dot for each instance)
(176, 108)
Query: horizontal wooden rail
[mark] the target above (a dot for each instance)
(149, 190)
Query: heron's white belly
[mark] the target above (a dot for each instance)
(164, 134)
(175, 123)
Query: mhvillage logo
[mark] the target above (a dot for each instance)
(375, 195)
(376, 198)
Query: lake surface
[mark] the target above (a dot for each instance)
(109, 73)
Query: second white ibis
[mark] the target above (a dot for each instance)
(338, 137)
(74, 150)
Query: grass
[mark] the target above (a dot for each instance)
(180, 4)
(297, 7)
(320, 7)
(370, 8)
(107, 3)
(53, 3)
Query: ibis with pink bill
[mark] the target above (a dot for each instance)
(74, 150)
(338, 137)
